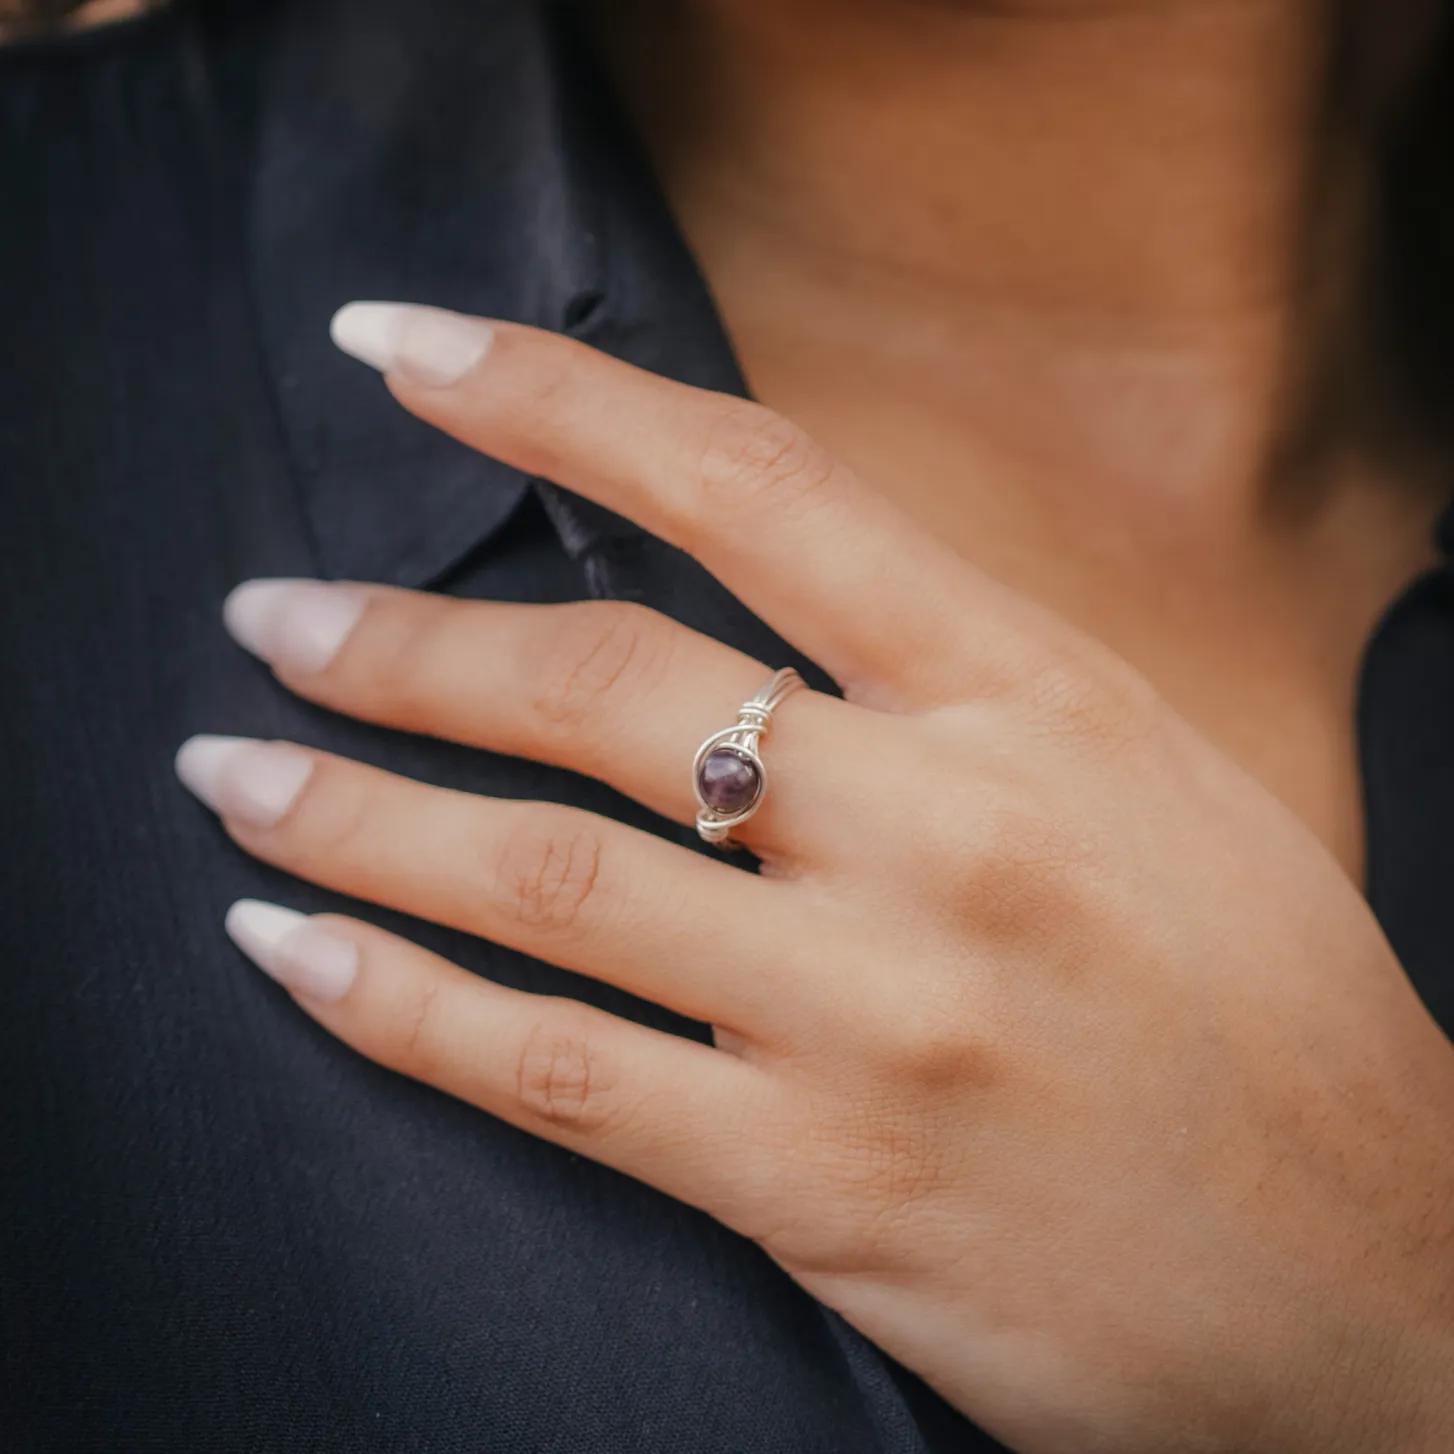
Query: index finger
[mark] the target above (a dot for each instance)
(894, 615)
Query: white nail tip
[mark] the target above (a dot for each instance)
(431, 347)
(298, 625)
(249, 610)
(257, 928)
(367, 332)
(291, 949)
(244, 779)
(199, 763)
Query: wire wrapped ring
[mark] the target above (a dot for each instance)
(728, 776)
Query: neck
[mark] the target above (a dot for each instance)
(1076, 201)
(1137, 161)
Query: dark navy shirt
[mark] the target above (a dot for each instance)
(220, 1229)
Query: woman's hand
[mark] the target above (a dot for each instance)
(1052, 1051)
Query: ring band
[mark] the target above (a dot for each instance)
(728, 776)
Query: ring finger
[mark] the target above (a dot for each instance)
(581, 891)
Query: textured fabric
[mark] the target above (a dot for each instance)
(222, 1230)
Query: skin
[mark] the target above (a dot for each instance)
(25, 19)
(943, 244)
(1077, 1074)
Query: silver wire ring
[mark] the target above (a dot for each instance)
(729, 778)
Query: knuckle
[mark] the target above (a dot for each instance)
(1091, 698)
(545, 384)
(755, 457)
(419, 1037)
(878, 1159)
(549, 873)
(561, 1079)
(1059, 690)
(595, 652)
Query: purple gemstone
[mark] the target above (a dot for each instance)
(729, 781)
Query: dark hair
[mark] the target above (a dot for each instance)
(1382, 229)
(1414, 261)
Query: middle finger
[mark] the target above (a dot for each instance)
(610, 689)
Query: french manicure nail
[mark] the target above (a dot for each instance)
(296, 625)
(427, 346)
(240, 777)
(293, 950)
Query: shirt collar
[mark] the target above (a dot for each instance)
(467, 156)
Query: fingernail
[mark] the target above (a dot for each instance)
(296, 625)
(293, 950)
(240, 777)
(428, 346)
